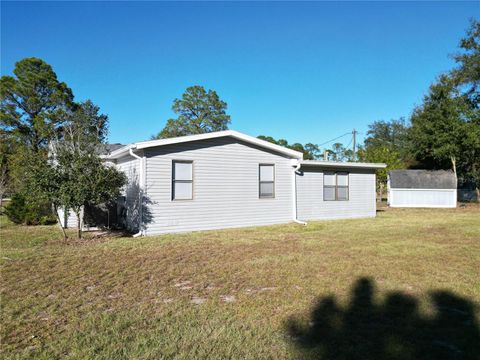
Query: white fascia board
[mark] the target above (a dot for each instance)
(420, 189)
(120, 152)
(212, 135)
(336, 164)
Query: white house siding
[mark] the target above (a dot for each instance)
(131, 167)
(427, 198)
(225, 187)
(310, 203)
(71, 218)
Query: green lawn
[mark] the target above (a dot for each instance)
(405, 285)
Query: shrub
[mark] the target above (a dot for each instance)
(21, 211)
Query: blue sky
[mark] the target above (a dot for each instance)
(304, 71)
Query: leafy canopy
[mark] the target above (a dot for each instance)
(74, 174)
(310, 151)
(467, 74)
(442, 129)
(199, 111)
(33, 103)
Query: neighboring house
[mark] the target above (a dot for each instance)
(422, 188)
(227, 179)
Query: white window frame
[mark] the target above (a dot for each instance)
(172, 195)
(336, 186)
(260, 182)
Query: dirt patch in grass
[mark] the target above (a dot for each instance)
(228, 294)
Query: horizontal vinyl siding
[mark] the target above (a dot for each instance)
(310, 203)
(422, 198)
(131, 167)
(71, 218)
(225, 187)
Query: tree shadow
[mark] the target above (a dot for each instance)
(135, 208)
(394, 329)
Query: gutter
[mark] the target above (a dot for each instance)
(141, 231)
(297, 165)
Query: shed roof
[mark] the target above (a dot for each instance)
(422, 179)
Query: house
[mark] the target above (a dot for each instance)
(228, 179)
(422, 188)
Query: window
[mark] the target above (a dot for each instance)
(335, 186)
(182, 180)
(266, 181)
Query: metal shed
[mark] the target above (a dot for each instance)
(422, 188)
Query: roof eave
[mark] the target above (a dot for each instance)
(335, 164)
(239, 136)
(121, 152)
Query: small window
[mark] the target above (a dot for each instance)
(335, 186)
(266, 181)
(182, 180)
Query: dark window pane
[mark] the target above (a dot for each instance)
(266, 189)
(342, 193)
(329, 193)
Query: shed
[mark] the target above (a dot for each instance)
(422, 188)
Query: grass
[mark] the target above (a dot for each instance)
(248, 293)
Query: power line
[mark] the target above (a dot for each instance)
(351, 140)
(329, 141)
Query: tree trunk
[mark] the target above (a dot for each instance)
(381, 192)
(65, 237)
(454, 167)
(79, 225)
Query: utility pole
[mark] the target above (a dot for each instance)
(354, 132)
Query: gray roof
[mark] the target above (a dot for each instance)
(106, 149)
(422, 179)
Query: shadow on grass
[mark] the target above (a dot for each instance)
(394, 329)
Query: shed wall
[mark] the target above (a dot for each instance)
(225, 187)
(427, 198)
(310, 203)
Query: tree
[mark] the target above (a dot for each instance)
(74, 175)
(466, 78)
(33, 107)
(338, 152)
(467, 74)
(199, 111)
(33, 104)
(5, 150)
(392, 134)
(44, 183)
(440, 128)
(386, 142)
(85, 178)
(310, 151)
(382, 154)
